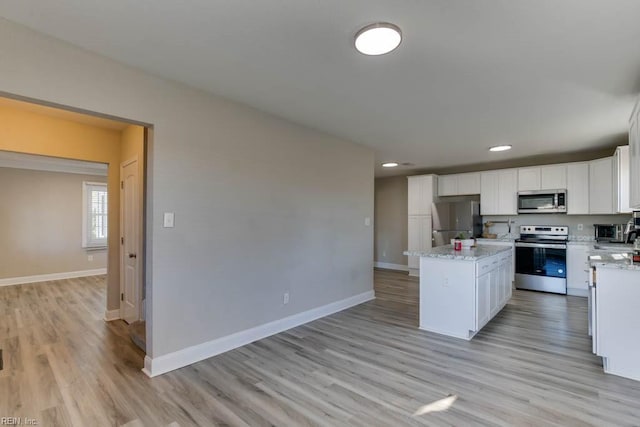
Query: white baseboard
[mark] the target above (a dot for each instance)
(577, 292)
(53, 276)
(391, 266)
(178, 359)
(110, 315)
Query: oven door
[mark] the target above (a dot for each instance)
(541, 267)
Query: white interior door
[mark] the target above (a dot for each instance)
(130, 277)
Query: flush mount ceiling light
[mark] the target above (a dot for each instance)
(500, 148)
(389, 165)
(378, 38)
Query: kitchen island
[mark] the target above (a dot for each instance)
(615, 317)
(461, 291)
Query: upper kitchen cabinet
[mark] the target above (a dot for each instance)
(461, 184)
(634, 158)
(601, 187)
(421, 191)
(578, 188)
(498, 192)
(552, 177)
(528, 179)
(621, 180)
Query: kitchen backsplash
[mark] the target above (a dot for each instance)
(572, 221)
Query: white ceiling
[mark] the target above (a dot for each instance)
(547, 76)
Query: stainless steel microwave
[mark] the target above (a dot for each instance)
(544, 201)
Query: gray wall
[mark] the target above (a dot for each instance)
(391, 220)
(41, 223)
(262, 206)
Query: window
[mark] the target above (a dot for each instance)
(94, 214)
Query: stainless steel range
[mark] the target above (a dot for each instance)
(541, 258)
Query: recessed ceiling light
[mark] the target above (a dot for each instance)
(378, 38)
(389, 165)
(500, 148)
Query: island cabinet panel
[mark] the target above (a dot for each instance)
(617, 321)
(460, 296)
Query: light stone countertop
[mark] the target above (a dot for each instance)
(503, 239)
(471, 254)
(607, 259)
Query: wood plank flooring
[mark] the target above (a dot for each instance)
(366, 366)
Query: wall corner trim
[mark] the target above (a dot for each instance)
(110, 315)
(391, 266)
(187, 356)
(53, 276)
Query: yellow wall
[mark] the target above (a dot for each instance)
(29, 132)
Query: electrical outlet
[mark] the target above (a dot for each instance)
(580, 227)
(90, 257)
(446, 282)
(285, 298)
(384, 254)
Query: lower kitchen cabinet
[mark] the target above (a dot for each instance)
(459, 297)
(419, 239)
(578, 269)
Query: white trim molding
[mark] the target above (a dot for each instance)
(577, 292)
(53, 276)
(187, 356)
(391, 266)
(110, 315)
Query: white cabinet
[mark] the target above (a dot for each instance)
(483, 302)
(601, 186)
(498, 192)
(528, 179)
(468, 183)
(617, 320)
(421, 190)
(578, 188)
(621, 180)
(578, 269)
(459, 184)
(419, 239)
(459, 297)
(448, 185)
(552, 177)
(634, 158)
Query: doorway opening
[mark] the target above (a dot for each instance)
(113, 225)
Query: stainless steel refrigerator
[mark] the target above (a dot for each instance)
(452, 218)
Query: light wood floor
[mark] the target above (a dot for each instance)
(366, 366)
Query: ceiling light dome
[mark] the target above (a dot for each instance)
(390, 164)
(378, 38)
(500, 148)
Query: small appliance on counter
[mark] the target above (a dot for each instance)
(610, 233)
(632, 232)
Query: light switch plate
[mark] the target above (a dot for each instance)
(367, 221)
(168, 220)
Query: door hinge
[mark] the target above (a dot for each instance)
(122, 185)
(122, 297)
(122, 240)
